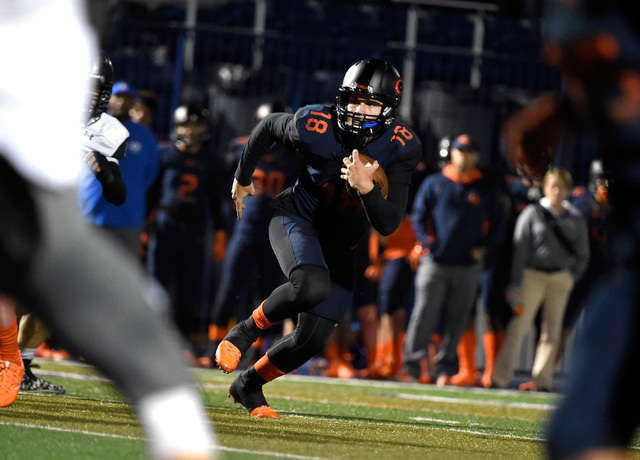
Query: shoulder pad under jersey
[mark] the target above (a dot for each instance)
(105, 136)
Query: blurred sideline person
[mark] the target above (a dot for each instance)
(317, 224)
(599, 412)
(458, 220)
(89, 290)
(593, 202)
(550, 252)
(145, 107)
(250, 269)
(184, 205)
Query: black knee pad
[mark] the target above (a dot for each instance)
(311, 285)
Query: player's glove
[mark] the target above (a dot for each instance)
(96, 162)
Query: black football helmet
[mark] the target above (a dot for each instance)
(101, 79)
(268, 108)
(374, 79)
(195, 115)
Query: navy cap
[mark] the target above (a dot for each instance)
(464, 142)
(122, 87)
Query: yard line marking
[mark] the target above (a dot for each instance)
(136, 438)
(445, 399)
(67, 430)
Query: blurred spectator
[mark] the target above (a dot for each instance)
(597, 415)
(520, 192)
(593, 202)
(391, 269)
(145, 107)
(551, 252)
(458, 218)
(184, 203)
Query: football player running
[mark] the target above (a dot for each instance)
(316, 224)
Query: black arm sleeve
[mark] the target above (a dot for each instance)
(114, 189)
(271, 129)
(385, 215)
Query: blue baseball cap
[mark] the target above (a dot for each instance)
(122, 87)
(464, 142)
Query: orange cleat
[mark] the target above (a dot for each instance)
(227, 356)
(531, 386)
(465, 378)
(10, 378)
(264, 412)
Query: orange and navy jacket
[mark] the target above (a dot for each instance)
(451, 216)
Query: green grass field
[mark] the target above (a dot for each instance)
(321, 419)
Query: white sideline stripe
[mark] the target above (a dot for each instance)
(66, 430)
(517, 405)
(135, 438)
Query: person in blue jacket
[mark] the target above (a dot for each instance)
(458, 218)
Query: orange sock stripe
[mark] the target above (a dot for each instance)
(466, 351)
(258, 344)
(265, 369)
(490, 349)
(260, 319)
(9, 350)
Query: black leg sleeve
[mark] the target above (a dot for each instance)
(308, 339)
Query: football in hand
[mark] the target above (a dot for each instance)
(379, 177)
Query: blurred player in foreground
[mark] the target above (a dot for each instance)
(317, 223)
(595, 44)
(83, 286)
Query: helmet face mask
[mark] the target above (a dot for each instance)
(101, 82)
(369, 80)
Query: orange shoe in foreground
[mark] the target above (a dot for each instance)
(264, 412)
(10, 378)
(227, 356)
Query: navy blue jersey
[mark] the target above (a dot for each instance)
(186, 186)
(319, 195)
(277, 170)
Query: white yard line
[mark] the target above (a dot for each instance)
(135, 438)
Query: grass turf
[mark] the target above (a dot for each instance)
(321, 419)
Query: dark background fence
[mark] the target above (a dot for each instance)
(468, 69)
